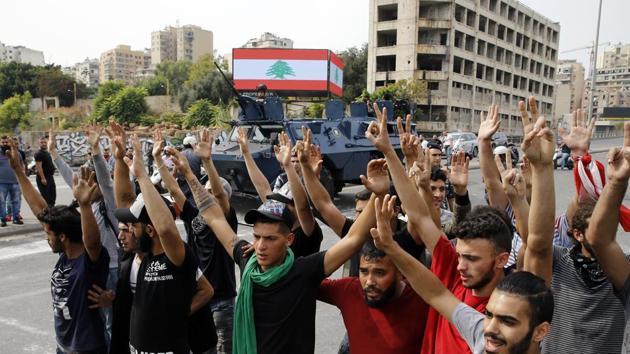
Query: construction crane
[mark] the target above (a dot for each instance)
(582, 48)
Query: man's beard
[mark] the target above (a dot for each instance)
(387, 295)
(521, 346)
(485, 279)
(144, 241)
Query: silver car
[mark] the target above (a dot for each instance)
(459, 141)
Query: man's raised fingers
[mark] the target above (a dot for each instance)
(533, 107)
(524, 115)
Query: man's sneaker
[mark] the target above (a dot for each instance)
(3, 223)
(7, 218)
(18, 222)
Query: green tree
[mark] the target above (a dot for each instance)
(201, 68)
(412, 90)
(212, 87)
(16, 79)
(102, 102)
(14, 112)
(128, 105)
(155, 86)
(354, 72)
(279, 70)
(316, 110)
(176, 74)
(52, 82)
(204, 113)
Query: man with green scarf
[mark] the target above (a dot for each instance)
(275, 310)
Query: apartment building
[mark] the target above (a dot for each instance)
(472, 53)
(268, 40)
(180, 43)
(85, 72)
(21, 54)
(123, 63)
(569, 88)
(612, 80)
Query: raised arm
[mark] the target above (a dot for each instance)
(311, 163)
(459, 178)
(83, 191)
(208, 207)
(602, 229)
(300, 200)
(255, 174)
(539, 146)
(415, 206)
(167, 177)
(123, 188)
(64, 170)
(422, 280)
(408, 142)
(34, 200)
(420, 173)
(158, 211)
(203, 150)
(516, 190)
(377, 182)
(100, 168)
(491, 177)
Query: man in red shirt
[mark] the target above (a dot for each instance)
(381, 311)
(472, 268)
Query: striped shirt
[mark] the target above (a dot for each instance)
(516, 239)
(624, 296)
(585, 320)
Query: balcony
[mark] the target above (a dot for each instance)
(431, 75)
(433, 23)
(432, 49)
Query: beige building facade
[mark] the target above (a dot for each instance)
(123, 63)
(612, 81)
(472, 53)
(180, 43)
(268, 40)
(569, 87)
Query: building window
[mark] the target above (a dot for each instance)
(386, 38)
(387, 12)
(386, 63)
(429, 62)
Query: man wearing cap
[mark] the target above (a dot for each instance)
(214, 261)
(280, 287)
(166, 278)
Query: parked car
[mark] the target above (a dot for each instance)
(499, 139)
(459, 141)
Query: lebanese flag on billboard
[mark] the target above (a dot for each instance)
(285, 69)
(336, 75)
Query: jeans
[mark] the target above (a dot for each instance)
(107, 312)
(223, 314)
(10, 192)
(565, 157)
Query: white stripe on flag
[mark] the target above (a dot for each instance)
(257, 69)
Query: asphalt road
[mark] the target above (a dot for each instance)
(26, 323)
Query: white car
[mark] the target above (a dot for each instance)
(459, 141)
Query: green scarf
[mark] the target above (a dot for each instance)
(244, 332)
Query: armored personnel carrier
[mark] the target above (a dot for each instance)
(345, 149)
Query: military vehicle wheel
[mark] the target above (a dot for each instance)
(328, 181)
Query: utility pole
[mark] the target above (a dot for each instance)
(594, 64)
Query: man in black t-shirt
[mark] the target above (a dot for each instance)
(166, 279)
(45, 172)
(83, 261)
(281, 287)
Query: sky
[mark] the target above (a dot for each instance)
(69, 31)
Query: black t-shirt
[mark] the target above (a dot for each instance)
(77, 327)
(214, 261)
(284, 313)
(43, 156)
(161, 304)
(401, 236)
(306, 245)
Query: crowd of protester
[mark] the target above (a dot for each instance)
(428, 272)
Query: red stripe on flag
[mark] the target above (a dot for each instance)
(295, 54)
(336, 90)
(336, 60)
(282, 85)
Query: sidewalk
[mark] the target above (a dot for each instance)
(30, 226)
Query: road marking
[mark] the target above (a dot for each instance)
(26, 328)
(24, 250)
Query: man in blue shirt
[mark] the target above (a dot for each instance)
(9, 187)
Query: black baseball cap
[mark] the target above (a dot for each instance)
(270, 210)
(137, 212)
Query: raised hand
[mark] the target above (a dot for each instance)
(489, 124)
(242, 141)
(527, 119)
(94, 137)
(408, 142)
(15, 159)
(283, 151)
(179, 160)
(118, 139)
(377, 130)
(138, 158)
(619, 159)
(579, 138)
(82, 190)
(203, 149)
(526, 171)
(420, 172)
(383, 234)
(309, 154)
(52, 142)
(459, 172)
(513, 183)
(539, 144)
(377, 180)
(158, 145)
